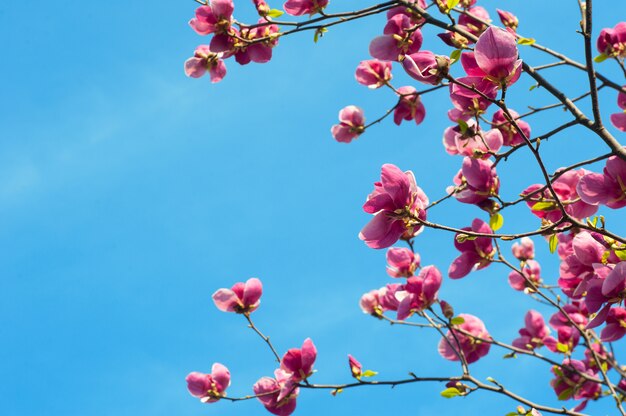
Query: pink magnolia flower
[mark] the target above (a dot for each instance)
(603, 357)
(215, 18)
(615, 328)
(377, 301)
(612, 42)
(619, 119)
(355, 367)
(474, 95)
(351, 124)
(534, 332)
(508, 19)
(470, 140)
(419, 292)
(426, 67)
(209, 388)
(262, 7)
(472, 348)
(531, 271)
(402, 262)
(204, 60)
(609, 288)
(415, 17)
(373, 73)
(299, 361)
(474, 26)
(543, 205)
(495, 57)
(510, 134)
(302, 7)
(409, 107)
(577, 269)
(476, 181)
(241, 298)
(524, 250)
(569, 384)
(398, 206)
(256, 47)
(576, 311)
(476, 253)
(454, 40)
(567, 336)
(608, 188)
(278, 394)
(400, 38)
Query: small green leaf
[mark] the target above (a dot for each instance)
(621, 253)
(600, 58)
(510, 355)
(532, 87)
(369, 373)
(525, 41)
(562, 347)
(452, 3)
(319, 33)
(544, 206)
(491, 380)
(450, 392)
(275, 13)
(463, 126)
(605, 257)
(455, 55)
(553, 243)
(566, 394)
(496, 221)
(461, 238)
(458, 320)
(336, 392)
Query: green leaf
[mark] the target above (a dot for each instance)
(553, 243)
(525, 41)
(463, 126)
(605, 257)
(510, 355)
(496, 221)
(275, 13)
(544, 206)
(452, 3)
(600, 58)
(450, 392)
(562, 347)
(621, 253)
(319, 33)
(454, 56)
(491, 380)
(458, 320)
(532, 87)
(369, 373)
(566, 394)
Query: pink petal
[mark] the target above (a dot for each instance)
(252, 291)
(195, 67)
(225, 300)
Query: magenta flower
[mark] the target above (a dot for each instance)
(524, 250)
(241, 298)
(471, 23)
(534, 332)
(415, 17)
(373, 73)
(495, 57)
(476, 181)
(262, 7)
(419, 292)
(543, 205)
(215, 18)
(508, 19)
(302, 7)
(474, 96)
(299, 361)
(400, 38)
(454, 40)
(409, 107)
(532, 273)
(472, 348)
(576, 312)
(204, 60)
(566, 336)
(577, 269)
(209, 388)
(426, 67)
(619, 119)
(510, 134)
(398, 206)
(402, 262)
(475, 254)
(615, 328)
(278, 394)
(612, 42)
(377, 301)
(351, 124)
(355, 367)
(569, 384)
(608, 188)
(472, 141)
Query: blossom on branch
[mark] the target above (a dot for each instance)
(302, 7)
(278, 394)
(402, 262)
(351, 124)
(205, 60)
(476, 252)
(214, 18)
(209, 388)
(409, 107)
(470, 345)
(241, 298)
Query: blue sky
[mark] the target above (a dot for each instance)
(130, 193)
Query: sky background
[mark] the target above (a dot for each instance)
(130, 193)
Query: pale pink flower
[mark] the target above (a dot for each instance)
(569, 384)
(420, 292)
(476, 181)
(472, 141)
(299, 361)
(474, 95)
(377, 301)
(612, 41)
(471, 347)
(398, 206)
(302, 7)
(214, 18)
(577, 269)
(534, 332)
(532, 273)
(508, 19)
(426, 67)
(204, 60)
(608, 188)
(471, 23)
(351, 124)
(209, 388)
(400, 38)
(619, 119)
(524, 250)
(373, 73)
(475, 254)
(241, 298)
(409, 107)
(402, 262)
(278, 394)
(511, 135)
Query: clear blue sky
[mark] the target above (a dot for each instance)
(129, 194)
